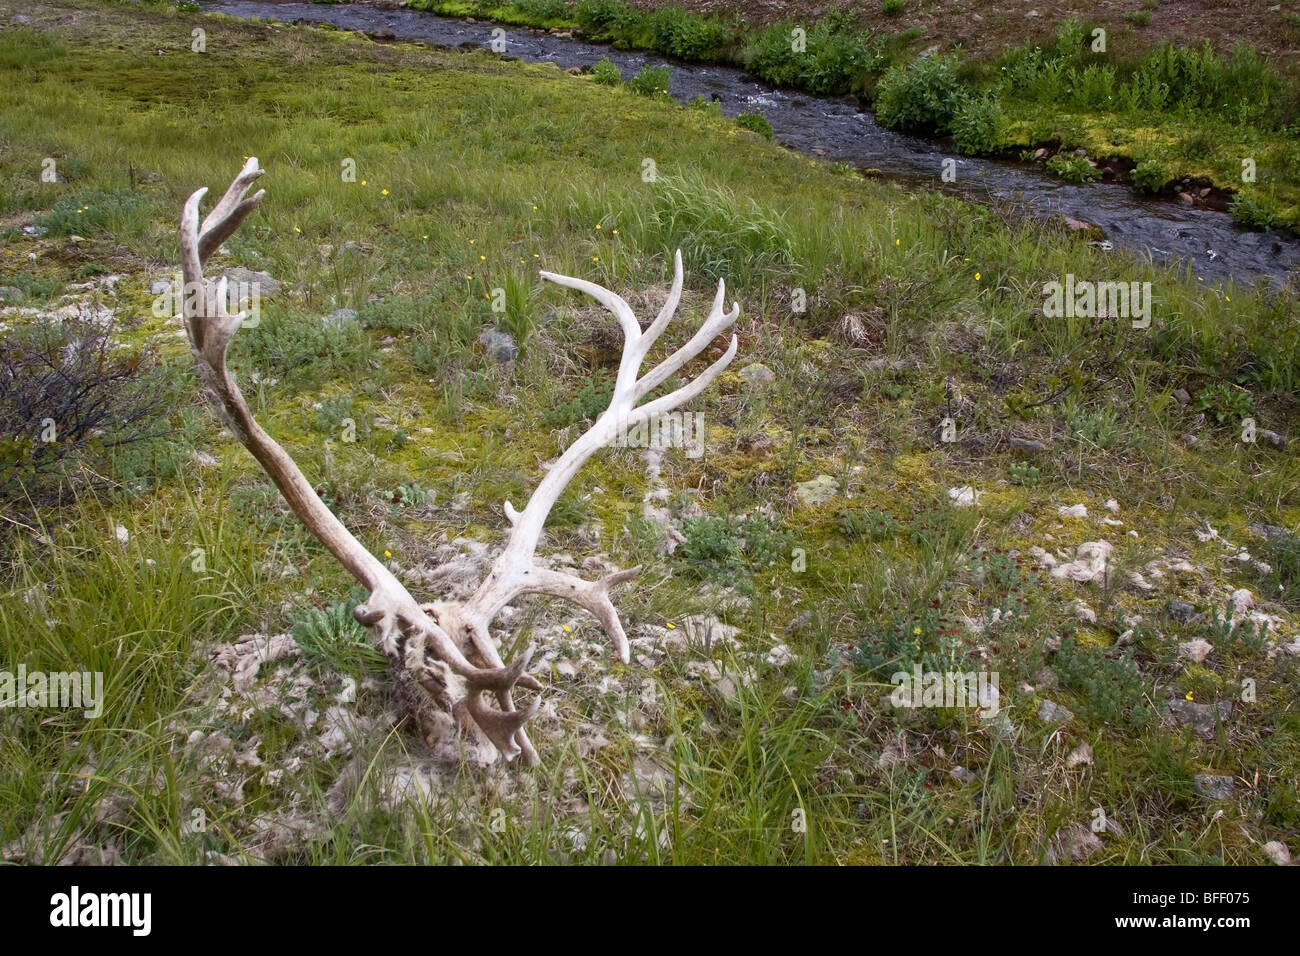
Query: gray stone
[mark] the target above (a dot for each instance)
(1200, 717)
(1182, 396)
(884, 364)
(36, 231)
(1184, 612)
(1050, 712)
(160, 286)
(757, 375)
(817, 491)
(1269, 531)
(1273, 438)
(1028, 445)
(500, 346)
(261, 280)
(9, 293)
(1213, 787)
(1073, 843)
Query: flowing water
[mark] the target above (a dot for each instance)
(1210, 245)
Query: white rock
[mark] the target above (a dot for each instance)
(1079, 755)
(963, 497)
(1112, 506)
(1043, 558)
(1293, 649)
(780, 655)
(122, 534)
(1089, 564)
(1242, 601)
(348, 695)
(707, 632)
(1278, 853)
(1083, 612)
(1197, 650)
(1073, 511)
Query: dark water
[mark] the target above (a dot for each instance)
(1205, 240)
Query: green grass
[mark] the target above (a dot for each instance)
(514, 170)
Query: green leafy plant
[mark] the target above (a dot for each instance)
(652, 81)
(1092, 426)
(977, 125)
(685, 35)
(1150, 176)
(755, 123)
(607, 73)
(1255, 210)
(922, 97)
(1023, 473)
(1093, 87)
(1108, 687)
(412, 495)
(932, 639)
(1076, 169)
(722, 546)
(332, 638)
(1247, 638)
(592, 399)
(1225, 403)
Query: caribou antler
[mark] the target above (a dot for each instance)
(430, 645)
(515, 571)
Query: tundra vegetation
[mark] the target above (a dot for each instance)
(1186, 110)
(908, 463)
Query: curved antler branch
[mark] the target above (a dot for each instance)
(405, 631)
(515, 570)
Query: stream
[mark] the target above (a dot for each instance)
(1208, 241)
